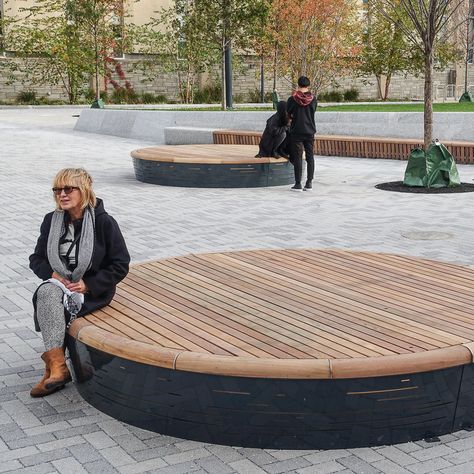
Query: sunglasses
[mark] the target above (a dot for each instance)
(66, 189)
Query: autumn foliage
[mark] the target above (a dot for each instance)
(315, 38)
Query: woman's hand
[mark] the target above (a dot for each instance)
(57, 276)
(78, 286)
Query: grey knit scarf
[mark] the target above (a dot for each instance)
(86, 246)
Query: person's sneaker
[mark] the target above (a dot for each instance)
(258, 155)
(308, 186)
(297, 187)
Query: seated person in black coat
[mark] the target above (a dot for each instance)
(274, 140)
(80, 256)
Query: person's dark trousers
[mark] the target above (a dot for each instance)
(297, 147)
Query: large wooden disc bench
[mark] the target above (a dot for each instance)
(284, 348)
(210, 166)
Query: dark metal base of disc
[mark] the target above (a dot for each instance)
(276, 413)
(198, 175)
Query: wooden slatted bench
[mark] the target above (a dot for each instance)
(360, 147)
(209, 166)
(287, 348)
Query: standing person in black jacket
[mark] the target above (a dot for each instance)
(80, 256)
(301, 107)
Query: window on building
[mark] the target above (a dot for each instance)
(117, 25)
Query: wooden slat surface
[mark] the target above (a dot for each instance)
(291, 313)
(363, 147)
(204, 154)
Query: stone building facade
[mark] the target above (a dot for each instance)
(449, 84)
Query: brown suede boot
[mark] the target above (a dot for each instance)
(59, 373)
(39, 390)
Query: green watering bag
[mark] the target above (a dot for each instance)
(434, 169)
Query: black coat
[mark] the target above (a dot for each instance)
(109, 265)
(275, 131)
(302, 114)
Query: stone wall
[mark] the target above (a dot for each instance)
(246, 81)
(9, 89)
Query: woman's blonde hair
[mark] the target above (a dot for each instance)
(79, 178)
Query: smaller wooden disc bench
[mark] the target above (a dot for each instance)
(209, 166)
(284, 348)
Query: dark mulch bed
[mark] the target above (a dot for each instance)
(399, 187)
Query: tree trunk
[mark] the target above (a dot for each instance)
(428, 113)
(388, 78)
(379, 85)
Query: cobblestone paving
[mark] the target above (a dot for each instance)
(62, 433)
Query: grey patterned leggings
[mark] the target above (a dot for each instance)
(50, 315)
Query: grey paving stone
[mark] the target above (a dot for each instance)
(186, 456)
(258, 456)
(151, 453)
(320, 457)
(357, 465)
(143, 466)
(465, 468)
(69, 465)
(10, 466)
(31, 441)
(116, 456)
(325, 468)
(85, 453)
(245, 466)
(286, 466)
(432, 453)
(17, 453)
(213, 465)
(367, 454)
(429, 466)
(114, 428)
(389, 467)
(45, 468)
(99, 440)
(182, 468)
(41, 458)
(130, 442)
(76, 430)
(102, 467)
(226, 454)
(397, 456)
(60, 443)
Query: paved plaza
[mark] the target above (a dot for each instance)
(62, 433)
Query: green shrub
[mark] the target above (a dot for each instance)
(254, 97)
(148, 98)
(90, 95)
(238, 98)
(26, 97)
(210, 94)
(334, 96)
(125, 96)
(351, 95)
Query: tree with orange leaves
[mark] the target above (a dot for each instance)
(315, 38)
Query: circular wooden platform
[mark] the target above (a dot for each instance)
(290, 348)
(210, 166)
